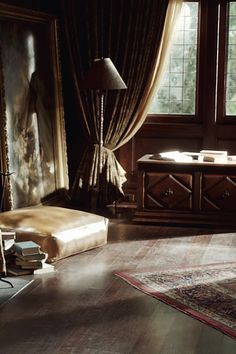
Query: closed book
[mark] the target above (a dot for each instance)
(26, 247)
(29, 264)
(17, 271)
(32, 257)
(214, 152)
(8, 235)
(47, 268)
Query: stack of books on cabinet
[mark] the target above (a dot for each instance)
(29, 259)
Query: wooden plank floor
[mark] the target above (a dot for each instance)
(83, 308)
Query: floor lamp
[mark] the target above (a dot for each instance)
(102, 76)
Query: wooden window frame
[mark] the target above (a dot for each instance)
(221, 117)
(211, 68)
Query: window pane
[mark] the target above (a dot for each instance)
(231, 51)
(230, 102)
(233, 8)
(177, 91)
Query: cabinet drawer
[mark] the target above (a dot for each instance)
(218, 193)
(168, 191)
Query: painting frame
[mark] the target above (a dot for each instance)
(32, 128)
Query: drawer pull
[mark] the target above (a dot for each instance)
(224, 195)
(168, 193)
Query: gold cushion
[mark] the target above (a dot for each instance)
(59, 231)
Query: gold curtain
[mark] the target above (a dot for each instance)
(135, 35)
(173, 11)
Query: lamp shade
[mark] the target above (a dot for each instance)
(103, 75)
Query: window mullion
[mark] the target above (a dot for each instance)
(207, 70)
(222, 63)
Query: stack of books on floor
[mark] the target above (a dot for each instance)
(29, 259)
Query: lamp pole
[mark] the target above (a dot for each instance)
(101, 120)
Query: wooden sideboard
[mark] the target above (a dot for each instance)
(186, 192)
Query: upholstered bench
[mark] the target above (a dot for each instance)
(60, 232)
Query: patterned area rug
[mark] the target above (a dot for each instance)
(207, 292)
(7, 292)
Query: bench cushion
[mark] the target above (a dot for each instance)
(60, 232)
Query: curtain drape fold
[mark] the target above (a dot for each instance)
(135, 35)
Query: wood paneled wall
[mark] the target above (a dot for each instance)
(152, 137)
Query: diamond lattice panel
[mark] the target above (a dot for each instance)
(219, 194)
(168, 191)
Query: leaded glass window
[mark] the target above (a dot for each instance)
(177, 92)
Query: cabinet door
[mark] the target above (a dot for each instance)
(168, 191)
(218, 193)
